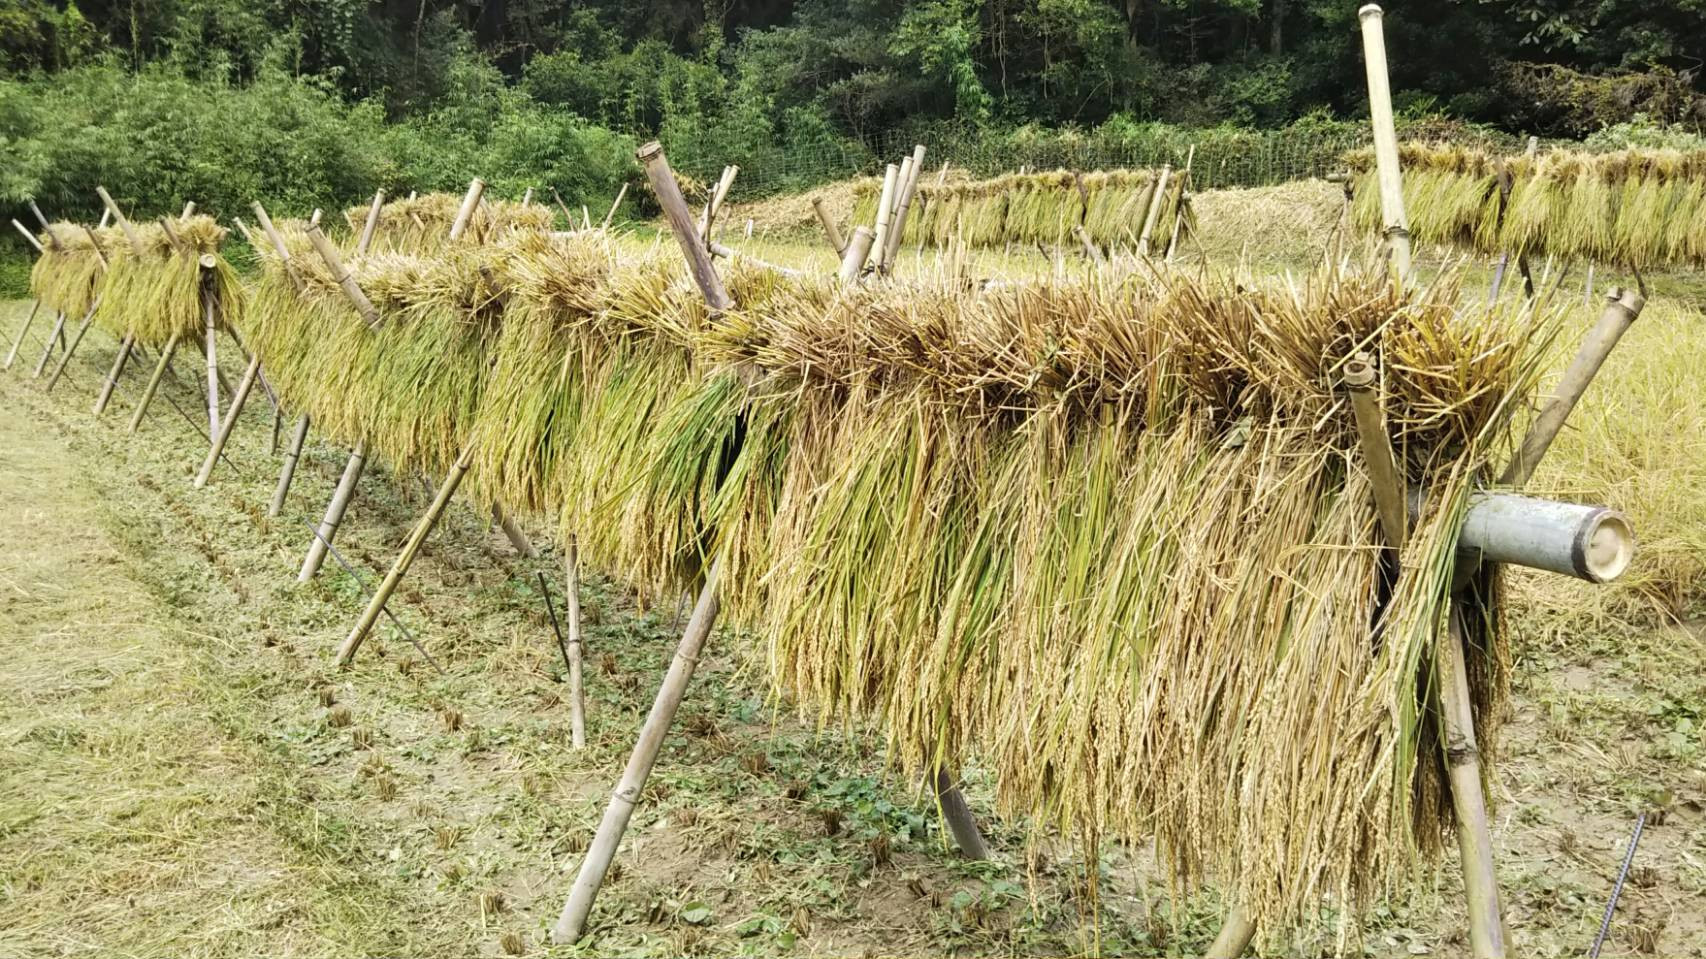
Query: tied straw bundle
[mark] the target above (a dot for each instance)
(159, 294)
(1642, 208)
(68, 274)
(1032, 208)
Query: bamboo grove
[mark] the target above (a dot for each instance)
(1108, 535)
(1638, 208)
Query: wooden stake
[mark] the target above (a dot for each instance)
(35, 307)
(572, 610)
(288, 471)
(238, 398)
(71, 347)
(1385, 140)
(1184, 204)
(599, 854)
(1621, 309)
(53, 335)
(111, 383)
(470, 200)
(411, 548)
(1235, 936)
(124, 224)
(371, 224)
(40, 218)
(1463, 761)
(153, 383)
(836, 243)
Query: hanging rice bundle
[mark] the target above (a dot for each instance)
(68, 274)
(1033, 208)
(165, 291)
(422, 224)
(1637, 207)
(412, 385)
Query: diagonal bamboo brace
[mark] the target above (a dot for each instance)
(113, 374)
(71, 347)
(288, 471)
(54, 335)
(229, 423)
(829, 228)
(680, 218)
(35, 307)
(599, 854)
(1621, 309)
(1235, 935)
(342, 275)
(405, 558)
(334, 513)
(153, 383)
(1382, 465)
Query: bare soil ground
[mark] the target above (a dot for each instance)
(182, 772)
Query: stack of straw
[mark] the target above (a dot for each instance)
(1034, 208)
(421, 224)
(1641, 208)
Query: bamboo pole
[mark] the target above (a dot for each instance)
(668, 191)
(470, 200)
(31, 237)
(513, 533)
(39, 217)
(334, 512)
(54, 334)
(1235, 935)
(858, 249)
(620, 194)
(903, 205)
(423, 528)
(223, 436)
(71, 347)
(1382, 466)
(957, 814)
(123, 224)
(371, 224)
(1184, 204)
(35, 307)
(212, 353)
(288, 471)
(885, 204)
(153, 383)
(1385, 139)
(1621, 309)
(830, 230)
(572, 609)
(113, 374)
(345, 279)
(189, 210)
(571, 923)
(1153, 214)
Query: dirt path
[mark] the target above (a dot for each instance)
(127, 818)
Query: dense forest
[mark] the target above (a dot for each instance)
(318, 101)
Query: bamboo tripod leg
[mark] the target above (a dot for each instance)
(400, 568)
(288, 470)
(517, 538)
(70, 348)
(153, 383)
(1234, 936)
(47, 351)
(572, 923)
(35, 307)
(572, 607)
(1463, 760)
(238, 398)
(334, 513)
(957, 813)
(212, 370)
(113, 374)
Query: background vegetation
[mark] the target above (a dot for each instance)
(317, 102)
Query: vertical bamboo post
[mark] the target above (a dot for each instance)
(212, 351)
(47, 352)
(71, 347)
(903, 205)
(885, 204)
(527, 197)
(572, 922)
(288, 471)
(602, 850)
(1153, 214)
(35, 307)
(830, 230)
(1183, 205)
(400, 567)
(153, 383)
(113, 374)
(572, 608)
(1385, 139)
(956, 812)
(1234, 937)
(1621, 309)
(470, 200)
(858, 249)
(371, 224)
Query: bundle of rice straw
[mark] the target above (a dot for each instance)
(1111, 536)
(68, 274)
(409, 387)
(1641, 208)
(422, 224)
(1032, 208)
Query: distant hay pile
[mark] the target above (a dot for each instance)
(422, 224)
(1110, 536)
(1033, 208)
(155, 296)
(1644, 208)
